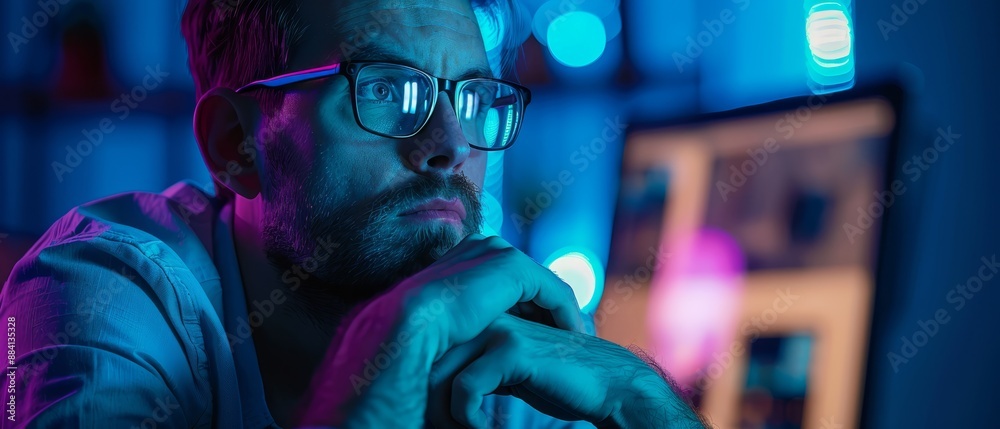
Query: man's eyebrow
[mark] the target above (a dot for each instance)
(380, 53)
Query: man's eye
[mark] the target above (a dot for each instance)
(377, 90)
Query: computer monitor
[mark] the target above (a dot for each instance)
(745, 252)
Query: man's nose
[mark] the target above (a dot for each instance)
(441, 147)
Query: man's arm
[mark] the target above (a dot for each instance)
(93, 343)
(655, 401)
(380, 377)
(568, 375)
(510, 412)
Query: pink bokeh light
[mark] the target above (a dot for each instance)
(695, 303)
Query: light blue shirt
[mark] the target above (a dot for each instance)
(125, 314)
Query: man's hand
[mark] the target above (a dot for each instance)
(376, 372)
(568, 375)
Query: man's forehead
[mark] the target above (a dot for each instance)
(356, 28)
(455, 15)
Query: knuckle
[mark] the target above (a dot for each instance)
(464, 382)
(475, 239)
(564, 288)
(509, 258)
(422, 305)
(508, 338)
(512, 344)
(500, 328)
(413, 300)
(436, 376)
(498, 243)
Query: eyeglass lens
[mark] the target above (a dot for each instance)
(396, 101)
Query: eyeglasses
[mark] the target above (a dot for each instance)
(396, 101)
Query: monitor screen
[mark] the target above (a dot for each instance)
(744, 254)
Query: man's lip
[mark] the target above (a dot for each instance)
(438, 204)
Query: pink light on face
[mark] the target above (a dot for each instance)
(694, 303)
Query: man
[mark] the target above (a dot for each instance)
(338, 278)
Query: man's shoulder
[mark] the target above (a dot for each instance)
(168, 216)
(111, 298)
(181, 218)
(135, 254)
(147, 236)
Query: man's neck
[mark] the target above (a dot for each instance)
(293, 335)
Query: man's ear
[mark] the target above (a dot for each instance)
(224, 124)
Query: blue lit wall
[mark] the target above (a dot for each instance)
(150, 149)
(948, 55)
(946, 51)
(758, 57)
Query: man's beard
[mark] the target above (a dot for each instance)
(371, 253)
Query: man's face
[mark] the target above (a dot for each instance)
(327, 178)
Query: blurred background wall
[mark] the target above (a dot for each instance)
(113, 73)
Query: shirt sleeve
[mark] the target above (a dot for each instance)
(97, 337)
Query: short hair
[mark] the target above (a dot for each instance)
(233, 42)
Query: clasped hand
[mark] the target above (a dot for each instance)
(435, 345)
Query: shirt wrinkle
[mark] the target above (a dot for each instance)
(179, 245)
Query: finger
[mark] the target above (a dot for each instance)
(482, 297)
(487, 277)
(443, 374)
(472, 246)
(553, 294)
(532, 312)
(463, 245)
(493, 369)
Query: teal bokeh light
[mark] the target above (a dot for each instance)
(830, 45)
(576, 39)
(582, 270)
